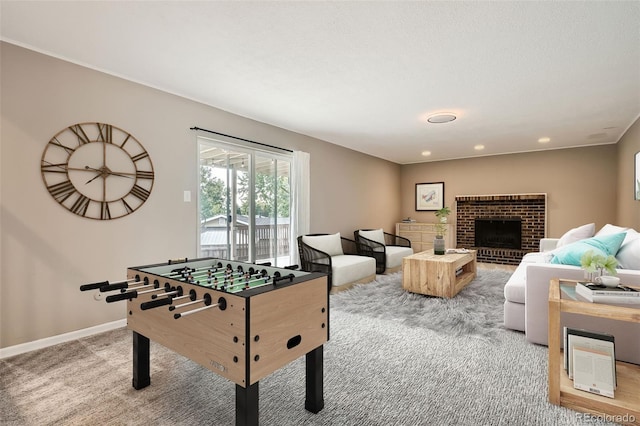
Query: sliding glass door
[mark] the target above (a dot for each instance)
(244, 203)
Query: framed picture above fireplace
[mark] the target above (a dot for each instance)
(429, 196)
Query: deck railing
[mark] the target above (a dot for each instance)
(271, 241)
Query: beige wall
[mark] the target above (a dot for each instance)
(628, 207)
(578, 183)
(46, 252)
(350, 192)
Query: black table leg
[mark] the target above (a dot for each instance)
(141, 377)
(315, 398)
(247, 405)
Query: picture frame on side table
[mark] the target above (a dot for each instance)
(429, 196)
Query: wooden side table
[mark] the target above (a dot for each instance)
(625, 407)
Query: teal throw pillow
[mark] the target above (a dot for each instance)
(603, 245)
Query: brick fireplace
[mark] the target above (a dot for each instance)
(530, 209)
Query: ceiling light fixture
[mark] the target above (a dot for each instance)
(544, 140)
(426, 153)
(441, 117)
(478, 147)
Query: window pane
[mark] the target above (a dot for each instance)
(224, 229)
(272, 193)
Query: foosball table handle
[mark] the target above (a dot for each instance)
(114, 286)
(289, 277)
(93, 286)
(121, 296)
(155, 303)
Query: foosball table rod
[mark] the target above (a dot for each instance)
(222, 304)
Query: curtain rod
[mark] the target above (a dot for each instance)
(241, 139)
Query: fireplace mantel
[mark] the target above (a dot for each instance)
(502, 197)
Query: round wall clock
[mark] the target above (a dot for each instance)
(97, 171)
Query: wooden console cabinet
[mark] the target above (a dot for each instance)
(422, 235)
(625, 407)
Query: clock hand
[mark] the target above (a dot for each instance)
(93, 178)
(62, 166)
(119, 174)
(105, 171)
(84, 169)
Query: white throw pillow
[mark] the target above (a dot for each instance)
(632, 234)
(330, 244)
(610, 229)
(376, 235)
(577, 234)
(629, 255)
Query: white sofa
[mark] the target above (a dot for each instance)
(526, 293)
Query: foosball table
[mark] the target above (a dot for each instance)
(240, 320)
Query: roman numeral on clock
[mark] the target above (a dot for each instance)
(79, 132)
(81, 205)
(144, 175)
(56, 142)
(105, 133)
(61, 191)
(140, 192)
(104, 211)
(53, 168)
(125, 141)
(140, 156)
(126, 206)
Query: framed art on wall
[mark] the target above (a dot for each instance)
(429, 196)
(636, 184)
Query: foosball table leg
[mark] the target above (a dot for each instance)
(247, 405)
(141, 377)
(314, 382)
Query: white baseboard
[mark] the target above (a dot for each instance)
(60, 338)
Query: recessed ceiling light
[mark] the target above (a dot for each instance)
(441, 117)
(544, 140)
(426, 153)
(478, 147)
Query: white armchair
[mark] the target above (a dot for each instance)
(387, 249)
(338, 257)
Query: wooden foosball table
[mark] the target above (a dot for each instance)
(240, 320)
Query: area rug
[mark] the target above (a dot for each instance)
(475, 311)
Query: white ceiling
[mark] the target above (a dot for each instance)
(365, 74)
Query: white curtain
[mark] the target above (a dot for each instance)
(300, 202)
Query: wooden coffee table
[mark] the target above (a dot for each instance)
(438, 275)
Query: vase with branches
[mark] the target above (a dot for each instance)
(442, 214)
(595, 265)
(441, 229)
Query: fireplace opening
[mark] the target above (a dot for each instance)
(498, 232)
